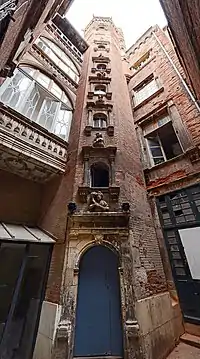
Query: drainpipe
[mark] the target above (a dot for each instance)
(177, 72)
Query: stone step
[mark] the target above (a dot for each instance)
(190, 339)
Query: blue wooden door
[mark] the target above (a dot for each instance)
(98, 328)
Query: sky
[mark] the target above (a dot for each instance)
(133, 16)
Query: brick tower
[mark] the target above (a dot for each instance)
(110, 216)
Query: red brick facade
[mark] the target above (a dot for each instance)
(183, 20)
(26, 24)
(172, 95)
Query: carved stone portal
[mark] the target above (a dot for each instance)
(96, 202)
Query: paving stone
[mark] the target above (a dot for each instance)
(184, 351)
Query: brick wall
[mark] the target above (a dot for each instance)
(186, 117)
(29, 15)
(20, 199)
(182, 17)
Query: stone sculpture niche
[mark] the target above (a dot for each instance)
(96, 202)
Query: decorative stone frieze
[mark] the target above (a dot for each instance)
(91, 95)
(100, 59)
(99, 77)
(97, 71)
(99, 105)
(107, 222)
(29, 150)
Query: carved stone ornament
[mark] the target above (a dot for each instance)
(64, 330)
(96, 202)
(99, 238)
(98, 140)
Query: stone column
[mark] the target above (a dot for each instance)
(112, 170)
(134, 348)
(86, 171)
(90, 117)
(109, 118)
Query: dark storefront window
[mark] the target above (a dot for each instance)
(23, 275)
(180, 219)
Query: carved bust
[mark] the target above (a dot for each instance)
(96, 202)
(98, 140)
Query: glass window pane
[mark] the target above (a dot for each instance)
(146, 91)
(29, 70)
(56, 90)
(43, 80)
(11, 256)
(63, 123)
(58, 56)
(48, 112)
(66, 100)
(13, 94)
(31, 102)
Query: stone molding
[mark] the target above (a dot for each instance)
(104, 221)
(108, 152)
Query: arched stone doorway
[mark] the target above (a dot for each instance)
(98, 330)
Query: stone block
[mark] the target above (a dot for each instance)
(48, 322)
(160, 342)
(153, 312)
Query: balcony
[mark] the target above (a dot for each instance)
(27, 149)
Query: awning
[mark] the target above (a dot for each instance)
(17, 232)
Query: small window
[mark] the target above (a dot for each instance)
(101, 47)
(141, 62)
(99, 175)
(163, 144)
(100, 120)
(145, 91)
(100, 90)
(101, 28)
(101, 67)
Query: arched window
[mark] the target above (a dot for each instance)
(39, 98)
(101, 67)
(100, 120)
(59, 57)
(100, 90)
(99, 175)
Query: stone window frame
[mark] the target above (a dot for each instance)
(106, 111)
(100, 81)
(108, 161)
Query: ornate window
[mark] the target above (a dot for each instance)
(39, 98)
(100, 90)
(100, 120)
(99, 175)
(59, 57)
